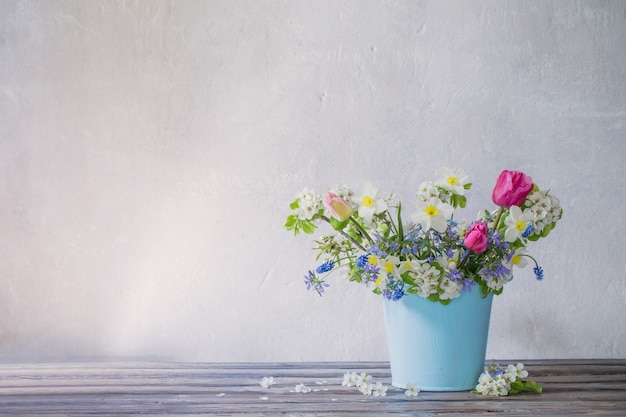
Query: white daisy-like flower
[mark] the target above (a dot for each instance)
(454, 181)
(411, 390)
(518, 259)
(302, 388)
(409, 265)
(449, 263)
(433, 214)
(516, 223)
(369, 203)
(389, 267)
(267, 381)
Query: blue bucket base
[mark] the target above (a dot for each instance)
(438, 347)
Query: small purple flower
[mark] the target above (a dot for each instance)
(467, 284)
(454, 275)
(314, 283)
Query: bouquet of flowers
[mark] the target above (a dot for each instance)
(433, 255)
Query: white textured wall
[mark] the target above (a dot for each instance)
(149, 150)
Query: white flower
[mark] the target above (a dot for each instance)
(426, 278)
(496, 385)
(427, 190)
(516, 223)
(365, 388)
(433, 214)
(309, 203)
(350, 379)
(515, 372)
(495, 283)
(484, 383)
(409, 265)
(302, 388)
(454, 180)
(411, 390)
(451, 289)
(449, 263)
(369, 203)
(545, 209)
(511, 373)
(379, 390)
(518, 259)
(389, 267)
(267, 382)
(364, 378)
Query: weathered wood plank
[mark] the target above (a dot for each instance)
(586, 387)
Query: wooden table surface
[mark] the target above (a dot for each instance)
(571, 387)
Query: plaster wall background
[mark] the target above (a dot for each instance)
(149, 151)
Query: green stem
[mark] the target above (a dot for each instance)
(498, 216)
(400, 227)
(361, 230)
(350, 238)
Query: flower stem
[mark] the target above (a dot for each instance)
(361, 230)
(350, 238)
(498, 216)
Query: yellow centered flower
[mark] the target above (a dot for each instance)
(407, 265)
(520, 225)
(388, 266)
(432, 211)
(516, 259)
(373, 260)
(378, 280)
(452, 180)
(367, 201)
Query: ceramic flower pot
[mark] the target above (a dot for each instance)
(438, 347)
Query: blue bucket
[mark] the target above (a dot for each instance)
(438, 347)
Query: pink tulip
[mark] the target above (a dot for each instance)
(476, 237)
(337, 207)
(512, 188)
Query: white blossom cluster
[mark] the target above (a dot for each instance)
(364, 383)
(497, 382)
(545, 209)
(309, 204)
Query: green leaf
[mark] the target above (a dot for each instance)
(295, 204)
(307, 227)
(337, 225)
(433, 297)
(400, 227)
(468, 186)
(534, 387)
(516, 387)
(458, 200)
